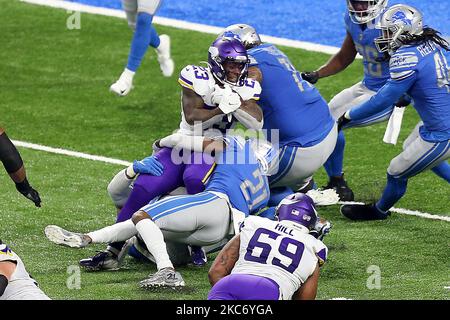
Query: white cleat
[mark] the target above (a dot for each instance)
(165, 61)
(66, 238)
(124, 85)
(164, 278)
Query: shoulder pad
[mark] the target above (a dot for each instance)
(321, 252)
(195, 78)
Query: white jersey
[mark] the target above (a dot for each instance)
(21, 285)
(201, 81)
(280, 251)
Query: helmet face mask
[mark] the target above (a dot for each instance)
(399, 24)
(226, 56)
(298, 208)
(244, 33)
(267, 156)
(364, 11)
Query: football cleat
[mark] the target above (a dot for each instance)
(163, 52)
(198, 256)
(340, 186)
(66, 238)
(103, 260)
(32, 195)
(363, 212)
(164, 278)
(124, 85)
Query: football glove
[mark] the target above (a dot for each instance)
(342, 121)
(403, 101)
(230, 103)
(321, 229)
(149, 165)
(310, 76)
(219, 92)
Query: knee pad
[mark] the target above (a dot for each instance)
(9, 155)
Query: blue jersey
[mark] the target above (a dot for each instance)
(426, 68)
(363, 35)
(289, 103)
(239, 176)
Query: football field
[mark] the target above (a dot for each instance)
(54, 92)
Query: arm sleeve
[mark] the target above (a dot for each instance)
(386, 96)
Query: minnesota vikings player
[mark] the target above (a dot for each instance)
(15, 282)
(360, 21)
(13, 163)
(140, 15)
(419, 66)
(294, 112)
(238, 183)
(271, 260)
(213, 100)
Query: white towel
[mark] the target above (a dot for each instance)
(393, 126)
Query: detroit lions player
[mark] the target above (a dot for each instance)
(13, 163)
(213, 100)
(271, 260)
(238, 183)
(419, 65)
(15, 282)
(140, 15)
(360, 21)
(294, 109)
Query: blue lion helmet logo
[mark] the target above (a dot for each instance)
(400, 15)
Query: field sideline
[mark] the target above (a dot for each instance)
(56, 94)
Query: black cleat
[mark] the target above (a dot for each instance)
(363, 212)
(104, 260)
(341, 188)
(31, 194)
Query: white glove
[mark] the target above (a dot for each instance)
(219, 93)
(230, 103)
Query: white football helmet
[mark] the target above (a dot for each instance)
(364, 11)
(399, 24)
(267, 156)
(243, 32)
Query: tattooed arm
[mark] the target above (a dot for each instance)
(225, 260)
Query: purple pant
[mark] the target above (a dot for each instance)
(189, 173)
(244, 287)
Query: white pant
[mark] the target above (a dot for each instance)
(297, 165)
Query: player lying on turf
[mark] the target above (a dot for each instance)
(140, 15)
(419, 67)
(306, 130)
(12, 161)
(271, 260)
(214, 99)
(238, 184)
(15, 282)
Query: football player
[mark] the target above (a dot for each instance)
(12, 161)
(238, 184)
(15, 282)
(419, 66)
(140, 15)
(360, 21)
(294, 109)
(271, 260)
(211, 96)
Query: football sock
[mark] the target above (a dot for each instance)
(443, 171)
(334, 165)
(394, 190)
(119, 188)
(144, 35)
(154, 240)
(118, 232)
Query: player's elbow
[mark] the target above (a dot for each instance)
(214, 275)
(190, 118)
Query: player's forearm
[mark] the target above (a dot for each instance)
(201, 115)
(250, 115)
(336, 64)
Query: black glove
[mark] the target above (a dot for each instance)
(310, 76)
(342, 121)
(28, 192)
(403, 101)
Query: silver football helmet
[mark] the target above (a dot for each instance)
(364, 11)
(245, 33)
(398, 24)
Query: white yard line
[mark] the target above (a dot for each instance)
(126, 163)
(72, 6)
